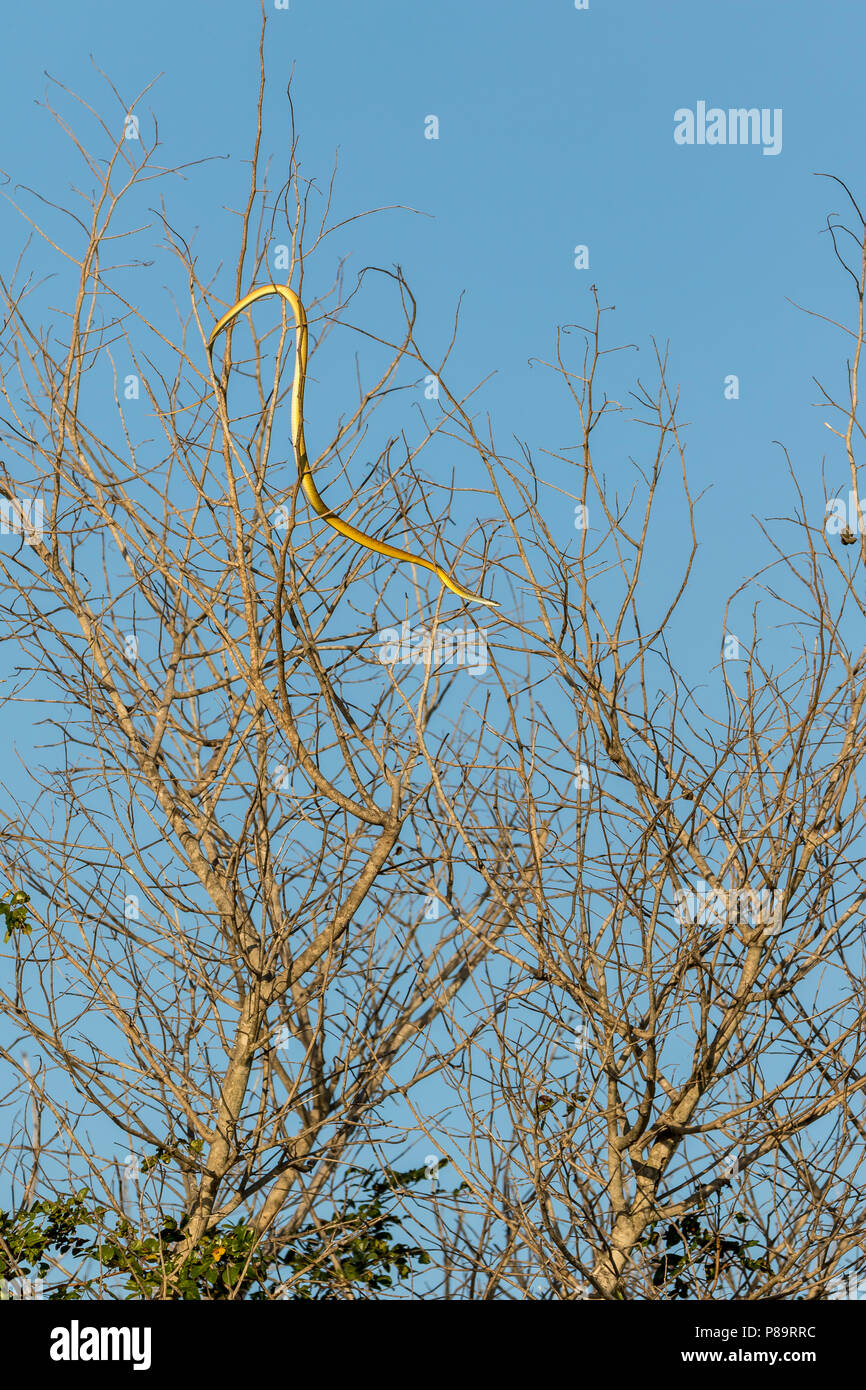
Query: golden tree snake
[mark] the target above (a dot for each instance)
(305, 473)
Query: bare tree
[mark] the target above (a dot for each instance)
(303, 850)
(228, 852)
(671, 1099)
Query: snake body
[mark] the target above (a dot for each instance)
(305, 473)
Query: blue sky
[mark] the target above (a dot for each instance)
(556, 129)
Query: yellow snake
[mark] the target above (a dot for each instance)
(305, 474)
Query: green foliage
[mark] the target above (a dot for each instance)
(27, 1237)
(15, 914)
(356, 1247)
(695, 1257)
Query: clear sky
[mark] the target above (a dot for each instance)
(555, 129)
